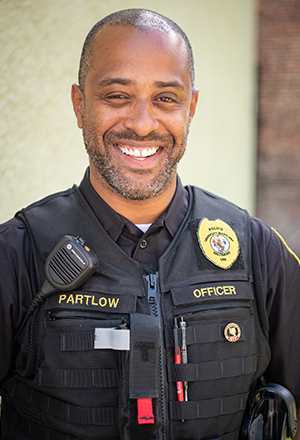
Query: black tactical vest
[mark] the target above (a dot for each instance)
(100, 362)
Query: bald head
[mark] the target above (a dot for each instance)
(141, 19)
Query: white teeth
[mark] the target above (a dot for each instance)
(146, 152)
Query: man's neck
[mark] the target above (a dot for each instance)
(137, 211)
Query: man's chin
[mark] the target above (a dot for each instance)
(138, 185)
(138, 193)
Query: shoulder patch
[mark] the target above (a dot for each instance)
(218, 242)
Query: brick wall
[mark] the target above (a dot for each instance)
(278, 179)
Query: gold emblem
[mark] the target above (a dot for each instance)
(218, 242)
(232, 332)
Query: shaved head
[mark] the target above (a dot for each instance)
(141, 19)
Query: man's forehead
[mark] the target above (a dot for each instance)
(122, 51)
(108, 37)
(153, 34)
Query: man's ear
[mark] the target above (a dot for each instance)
(78, 101)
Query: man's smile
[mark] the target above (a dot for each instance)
(137, 153)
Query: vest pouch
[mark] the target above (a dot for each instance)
(139, 388)
(218, 323)
(80, 349)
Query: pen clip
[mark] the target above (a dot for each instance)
(176, 343)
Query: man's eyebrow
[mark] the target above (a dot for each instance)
(110, 81)
(165, 84)
(128, 82)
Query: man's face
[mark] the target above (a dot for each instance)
(136, 109)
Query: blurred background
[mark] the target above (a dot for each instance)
(244, 140)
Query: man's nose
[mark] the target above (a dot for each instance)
(141, 118)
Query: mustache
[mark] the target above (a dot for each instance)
(114, 136)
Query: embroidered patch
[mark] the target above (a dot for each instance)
(232, 332)
(218, 242)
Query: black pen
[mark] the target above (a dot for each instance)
(182, 324)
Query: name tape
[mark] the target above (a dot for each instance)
(214, 291)
(88, 300)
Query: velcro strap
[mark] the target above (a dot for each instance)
(145, 412)
(32, 404)
(78, 378)
(24, 426)
(100, 338)
(207, 408)
(112, 338)
(38, 432)
(144, 355)
(77, 341)
(212, 370)
(200, 334)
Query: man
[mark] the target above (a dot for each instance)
(180, 320)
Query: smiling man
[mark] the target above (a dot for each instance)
(180, 327)
(135, 109)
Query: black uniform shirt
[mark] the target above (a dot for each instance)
(144, 247)
(280, 271)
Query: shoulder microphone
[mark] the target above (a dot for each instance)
(67, 267)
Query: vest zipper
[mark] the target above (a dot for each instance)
(57, 315)
(153, 294)
(153, 301)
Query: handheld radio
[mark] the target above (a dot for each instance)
(67, 267)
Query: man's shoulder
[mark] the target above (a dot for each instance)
(260, 230)
(220, 204)
(271, 244)
(49, 198)
(16, 223)
(12, 226)
(14, 242)
(15, 229)
(200, 191)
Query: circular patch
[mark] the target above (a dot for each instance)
(219, 243)
(232, 332)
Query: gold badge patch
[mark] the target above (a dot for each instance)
(218, 242)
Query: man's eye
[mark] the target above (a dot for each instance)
(116, 97)
(166, 99)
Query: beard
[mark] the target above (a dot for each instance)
(144, 183)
